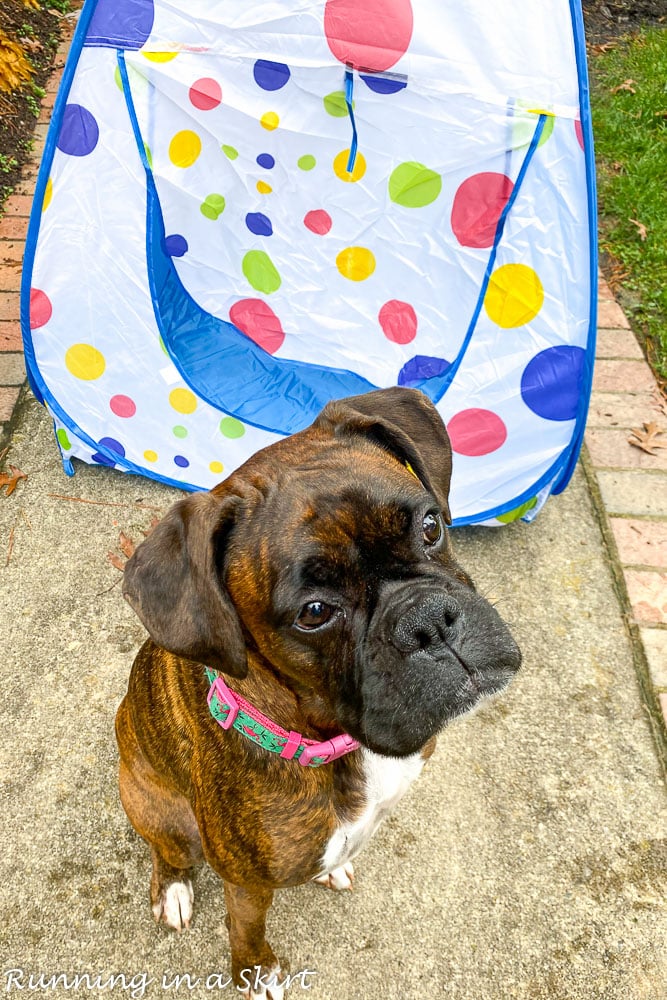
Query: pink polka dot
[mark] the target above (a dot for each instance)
(398, 321)
(122, 406)
(205, 94)
(318, 221)
(259, 322)
(476, 432)
(40, 308)
(478, 205)
(579, 132)
(366, 34)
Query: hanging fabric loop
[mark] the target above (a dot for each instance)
(349, 87)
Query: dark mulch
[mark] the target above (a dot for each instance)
(38, 32)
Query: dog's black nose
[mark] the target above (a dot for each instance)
(427, 625)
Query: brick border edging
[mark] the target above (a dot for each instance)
(629, 487)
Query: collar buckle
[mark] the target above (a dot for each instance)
(332, 749)
(220, 691)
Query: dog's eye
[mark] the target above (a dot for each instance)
(431, 529)
(314, 614)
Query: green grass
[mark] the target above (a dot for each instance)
(630, 131)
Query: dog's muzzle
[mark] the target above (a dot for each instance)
(429, 655)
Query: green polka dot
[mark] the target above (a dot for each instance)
(230, 152)
(525, 123)
(164, 349)
(260, 272)
(179, 431)
(231, 427)
(213, 206)
(334, 104)
(149, 156)
(514, 515)
(306, 162)
(64, 441)
(413, 185)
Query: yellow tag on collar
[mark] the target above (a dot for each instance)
(412, 472)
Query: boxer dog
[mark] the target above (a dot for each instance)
(311, 633)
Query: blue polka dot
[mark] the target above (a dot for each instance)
(79, 131)
(551, 384)
(420, 368)
(258, 224)
(175, 245)
(111, 445)
(266, 160)
(384, 84)
(181, 461)
(121, 24)
(270, 75)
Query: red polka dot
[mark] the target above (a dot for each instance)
(398, 321)
(370, 35)
(122, 406)
(476, 432)
(205, 94)
(318, 221)
(478, 205)
(40, 308)
(259, 322)
(579, 132)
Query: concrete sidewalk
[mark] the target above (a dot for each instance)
(529, 861)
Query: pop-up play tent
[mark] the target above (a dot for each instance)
(245, 210)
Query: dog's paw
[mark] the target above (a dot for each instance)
(174, 907)
(264, 985)
(338, 879)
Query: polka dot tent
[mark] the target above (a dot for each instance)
(210, 164)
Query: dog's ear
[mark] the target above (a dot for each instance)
(174, 582)
(404, 422)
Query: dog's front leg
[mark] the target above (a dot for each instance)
(255, 968)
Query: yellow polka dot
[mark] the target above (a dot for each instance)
(183, 400)
(514, 295)
(48, 194)
(150, 456)
(216, 467)
(159, 57)
(355, 263)
(85, 362)
(340, 166)
(269, 121)
(264, 188)
(184, 148)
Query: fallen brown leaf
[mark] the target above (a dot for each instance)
(116, 560)
(153, 523)
(603, 47)
(10, 479)
(641, 228)
(626, 85)
(644, 437)
(126, 545)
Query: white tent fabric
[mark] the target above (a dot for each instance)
(247, 209)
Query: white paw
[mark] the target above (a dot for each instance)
(174, 907)
(338, 879)
(264, 986)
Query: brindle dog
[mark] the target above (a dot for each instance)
(320, 578)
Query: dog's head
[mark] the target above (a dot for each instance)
(326, 559)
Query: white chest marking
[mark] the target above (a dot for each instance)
(387, 781)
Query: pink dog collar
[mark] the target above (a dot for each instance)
(231, 711)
